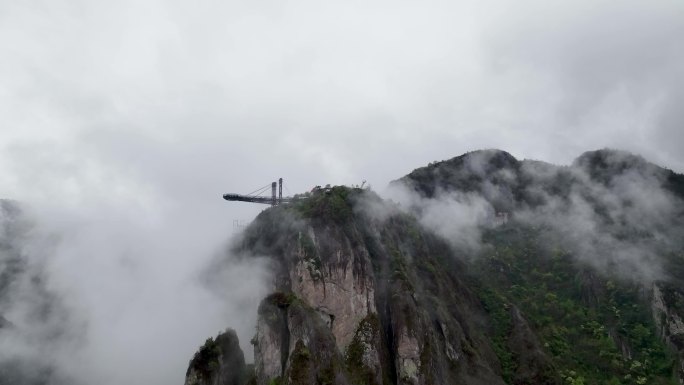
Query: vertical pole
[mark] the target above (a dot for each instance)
(280, 191)
(273, 194)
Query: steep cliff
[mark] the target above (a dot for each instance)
(668, 315)
(592, 255)
(294, 344)
(220, 361)
(390, 299)
(572, 277)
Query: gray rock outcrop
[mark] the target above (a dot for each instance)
(220, 361)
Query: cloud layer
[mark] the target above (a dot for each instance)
(122, 124)
(610, 209)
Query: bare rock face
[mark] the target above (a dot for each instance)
(364, 299)
(219, 361)
(342, 291)
(271, 343)
(293, 345)
(668, 311)
(362, 358)
(408, 358)
(365, 295)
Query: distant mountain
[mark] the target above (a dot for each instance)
(509, 183)
(491, 270)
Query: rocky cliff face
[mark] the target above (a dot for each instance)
(668, 313)
(219, 361)
(562, 293)
(294, 344)
(364, 296)
(611, 222)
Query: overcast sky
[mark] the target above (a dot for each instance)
(131, 118)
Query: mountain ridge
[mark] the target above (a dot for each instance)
(564, 268)
(487, 270)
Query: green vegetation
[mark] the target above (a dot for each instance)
(365, 337)
(280, 299)
(498, 310)
(301, 365)
(596, 331)
(551, 320)
(206, 360)
(310, 255)
(329, 204)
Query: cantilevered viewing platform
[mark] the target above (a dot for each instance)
(255, 197)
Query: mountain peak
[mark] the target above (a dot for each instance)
(372, 292)
(481, 160)
(472, 172)
(609, 158)
(606, 164)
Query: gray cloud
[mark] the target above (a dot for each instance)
(122, 290)
(457, 217)
(610, 209)
(624, 228)
(122, 124)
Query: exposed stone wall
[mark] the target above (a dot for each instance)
(369, 296)
(219, 361)
(294, 346)
(268, 343)
(341, 294)
(669, 323)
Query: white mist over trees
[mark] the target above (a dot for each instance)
(111, 299)
(122, 123)
(613, 210)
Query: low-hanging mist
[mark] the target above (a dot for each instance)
(114, 297)
(487, 270)
(610, 209)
